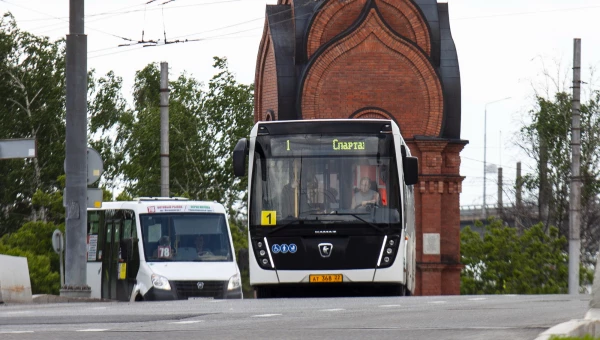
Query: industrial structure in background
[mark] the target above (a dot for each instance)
(389, 59)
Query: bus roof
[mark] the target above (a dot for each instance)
(310, 126)
(163, 205)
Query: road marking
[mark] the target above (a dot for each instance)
(15, 332)
(389, 306)
(477, 299)
(92, 330)
(186, 322)
(437, 302)
(264, 315)
(332, 310)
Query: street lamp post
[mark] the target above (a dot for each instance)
(485, 152)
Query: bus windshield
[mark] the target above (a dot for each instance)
(346, 179)
(185, 237)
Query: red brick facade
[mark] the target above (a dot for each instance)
(376, 59)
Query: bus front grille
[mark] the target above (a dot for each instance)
(188, 289)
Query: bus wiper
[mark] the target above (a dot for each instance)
(285, 225)
(360, 219)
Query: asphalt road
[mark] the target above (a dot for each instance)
(441, 317)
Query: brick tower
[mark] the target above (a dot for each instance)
(392, 59)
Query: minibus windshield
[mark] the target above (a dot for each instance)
(185, 237)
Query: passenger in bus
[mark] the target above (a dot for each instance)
(365, 195)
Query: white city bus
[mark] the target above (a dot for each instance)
(305, 235)
(161, 249)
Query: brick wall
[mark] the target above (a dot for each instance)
(266, 95)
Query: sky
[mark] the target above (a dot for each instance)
(504, 49)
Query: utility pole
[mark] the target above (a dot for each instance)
(500, 204)
(164, 129)
(519, 199)
(575, 194)
(76, 156)
(544, 190)
(485, 215)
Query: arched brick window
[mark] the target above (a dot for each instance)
(270, 115)
(371, 113)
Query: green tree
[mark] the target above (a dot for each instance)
(503, 262)
(32, 105)
(34, 241)
(547, 141)
(204, 127)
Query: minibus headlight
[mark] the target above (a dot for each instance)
(160, 282)
(234, 282)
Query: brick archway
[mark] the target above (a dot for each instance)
(335, 17)
(372, 57)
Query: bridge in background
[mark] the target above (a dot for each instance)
(508, 213)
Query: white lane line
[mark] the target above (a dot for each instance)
(15, 332)
(92, 330)
(264, 315)
(437, 302)
(477, 299)
(332, 310)
(186, 322)
(389, 306)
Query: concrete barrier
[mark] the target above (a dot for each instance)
(15, 285)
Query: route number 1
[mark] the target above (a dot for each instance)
(268, 217)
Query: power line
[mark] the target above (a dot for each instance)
(33, 10)
(524, 13)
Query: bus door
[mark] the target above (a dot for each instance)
(121, 260)
(129, 257)
(110, 256)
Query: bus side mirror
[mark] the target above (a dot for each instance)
(239, 157)
(411, 170)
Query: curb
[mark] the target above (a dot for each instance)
(47, 298)
(590, 325)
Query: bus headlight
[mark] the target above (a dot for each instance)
(234, 282)
(160, 282)
(389, 250)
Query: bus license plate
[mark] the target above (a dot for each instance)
(326, 278)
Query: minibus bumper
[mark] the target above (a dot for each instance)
(154, 294)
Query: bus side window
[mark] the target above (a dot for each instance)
(94, 233)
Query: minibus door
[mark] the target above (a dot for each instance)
(127, 268)
(129, 258)
(110, 260)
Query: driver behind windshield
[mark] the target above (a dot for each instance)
(202, 248)
(364, 196)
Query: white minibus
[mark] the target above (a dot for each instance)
(156, 248)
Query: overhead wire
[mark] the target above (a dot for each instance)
(94, 29)
(118, 12)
